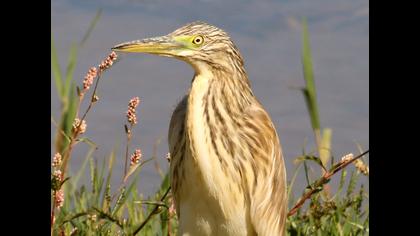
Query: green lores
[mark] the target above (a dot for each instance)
(165, 45)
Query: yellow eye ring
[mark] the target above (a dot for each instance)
(198, 40)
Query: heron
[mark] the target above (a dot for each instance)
(227, 170)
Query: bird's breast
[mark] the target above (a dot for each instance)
(209, 203)
(197, 133)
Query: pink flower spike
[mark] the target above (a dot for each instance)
(90, 76)
(59, 198)
(131, 112)
(107, 63)
(57, 160)
(136, 157)
(58, 176)
(79, 128)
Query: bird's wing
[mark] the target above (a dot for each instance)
(176, 139)
(268, 200)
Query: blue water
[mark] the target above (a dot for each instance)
(268, 36)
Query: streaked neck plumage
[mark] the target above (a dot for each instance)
(217, 97)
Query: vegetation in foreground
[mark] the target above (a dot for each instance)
(78, 209)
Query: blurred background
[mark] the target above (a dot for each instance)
(268, 34)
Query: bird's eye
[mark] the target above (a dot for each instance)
(198, 40)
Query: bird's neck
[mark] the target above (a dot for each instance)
(214, 101)
(228, 86)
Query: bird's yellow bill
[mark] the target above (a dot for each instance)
(159, 45)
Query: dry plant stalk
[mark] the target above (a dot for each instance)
(323, 180)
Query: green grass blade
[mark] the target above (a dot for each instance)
(325, 151)
(292, 182)
(352, 183)
(135, 168)
(55, 66)
(107, 194)
(70, 68)
(91, 26)
(309, 91)
(342, 180)
(131, 186)
(120, 201)
(87, 141)
(81, 171)
(308, 158)
(308, 181)
(99, 183)
(68, 116)
(92, 174)
(340, 185)
(164, 185)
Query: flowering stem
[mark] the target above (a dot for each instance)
(132, 120)
(128, 131)
(74, 136)
(323, 180)
(77, 129)
(53, 215)
(102, 67)
(82, 95)
(92, 98)
(67, 153)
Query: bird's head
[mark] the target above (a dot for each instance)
(202, 45)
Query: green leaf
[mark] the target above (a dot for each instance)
(68, 116)
(99, 183)
(55, 66)
(88, 142)
(120, 201)
(109, 217)
(131, 170)
(93, 174)
(65, 180)
(342, 180)
(309, 158)
(340, 185)
(164, 185)
(308, 181)
(151, 202)
(107, 196)
(60, 131)
(325, 150)
(309, 91)
(70, 68)
(106, 200)
(81, 170)
(357, 225)
(91, 26)
(292, 182)
(352, 183)
(72, 217)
